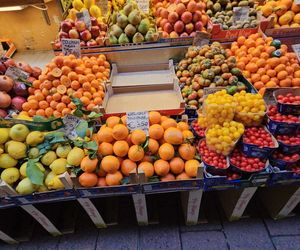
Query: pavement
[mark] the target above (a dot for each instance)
(256, 231)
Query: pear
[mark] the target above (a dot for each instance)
(123, 39)
(138, 38)
(122, 20)
(134, 17)
(130, 30)
(113, 39)
(128, 8)
(116, 30)
(144, 26)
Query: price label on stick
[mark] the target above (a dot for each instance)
(85, 17)
(240, 13)
(296, 48)
(200, 39)
(71, 46)
(143, 5)
(70, 122)
(16, 73)
(138, 120)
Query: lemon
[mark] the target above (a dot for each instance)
(33, 153)
(16, 149)
(10, 175)
(49, 178)
(18, 132)
(42, 188)
(34, 138)
(75, 156)
(59, 166)
(55, 183)
(48, 158)
(25, 186)
(4, 135)
(6, 161)
(1, 150)
(63, 151)
(24, 167)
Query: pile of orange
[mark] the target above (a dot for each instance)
(166, 153)
(263, 69)
(64, 78)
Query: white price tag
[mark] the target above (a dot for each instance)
(240, 13)
(71, 46)
(85, 17)
(200, 39)
(103, 5)
(16, 73)
(296, 48)
(297, 2)
(138, 120)
(143, 5)
(70, 122)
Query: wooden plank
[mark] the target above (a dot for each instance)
(6, 238)
(191, 201)
(140, 206)
(5, 3)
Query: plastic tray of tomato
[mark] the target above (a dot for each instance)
(283, 163)
(288, 108)
(254, 150)
(287, 148)
(197, 131)
(282, 127)
(213, 167)
(249, 163)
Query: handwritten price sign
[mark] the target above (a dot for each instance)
(85, 17)
(240, 13)
(71, 46)
(138, 120)
(16, 73)
(296, 48)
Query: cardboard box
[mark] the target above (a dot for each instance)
(138, 75)
(164, 98)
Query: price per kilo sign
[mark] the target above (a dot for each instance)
(138, 120)
(240, 13)
(71, 46)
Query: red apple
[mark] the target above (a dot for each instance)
(103, 26)
(100, 41)
(91, 43)
(73, 33)
(3, 113)
(2, 68)
(95, 30)
(82, 44)
(189, 28)
(168, 28)
(62, 34)
(94, 21)
(85, 35)
(9, 63)
(179, 26)
(80, 26)
(65, 26)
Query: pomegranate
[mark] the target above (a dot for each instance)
(3, 113)
(17, 102)
(36, 71)
(6, 83)
(9, 63)
(5, 100)
(20, 89)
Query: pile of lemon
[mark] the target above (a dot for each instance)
(222, 138)
(219, 107)
(250, 108)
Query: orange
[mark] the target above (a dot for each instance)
(285, 82)
(105, 135)
(187, 135)
(163, 118)
(273, 62)
(249, 43)
(260, 63)
(289, 69)
(48, 112)
(105, 148)
(43, 104)
(112, 121)
(258, 85)
(265, 78)
(296, 82)
(297, 74)
(282, 75)
(182, 176)
(101, 173)
(176, 165)
(120, 132)
(156, 131)
(88, 165)
(182, 126)
(173, 136)
(191, 168)
(56, 97)
(33, 104)
(66, 111)
(241, 65)
(85, 100)
(153, 146)
(255, 77)
(161, 167)
(128, 166)
(147, 168)
(138, 137)
(168, 177)
(166, 151)
(110, 164)
(251, 67)
(187, 151)
(168, 123)
(271, 84)
(264, 55)
(101, 182)
(136, 153)
(154, 117)
(271, 72)
(147, 158)
(123, 119)
(88, 179)
(241, 40)
(120, 148)
(114, 179)
(280, 67)
(40, 112)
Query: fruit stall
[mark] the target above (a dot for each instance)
(144, 98)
